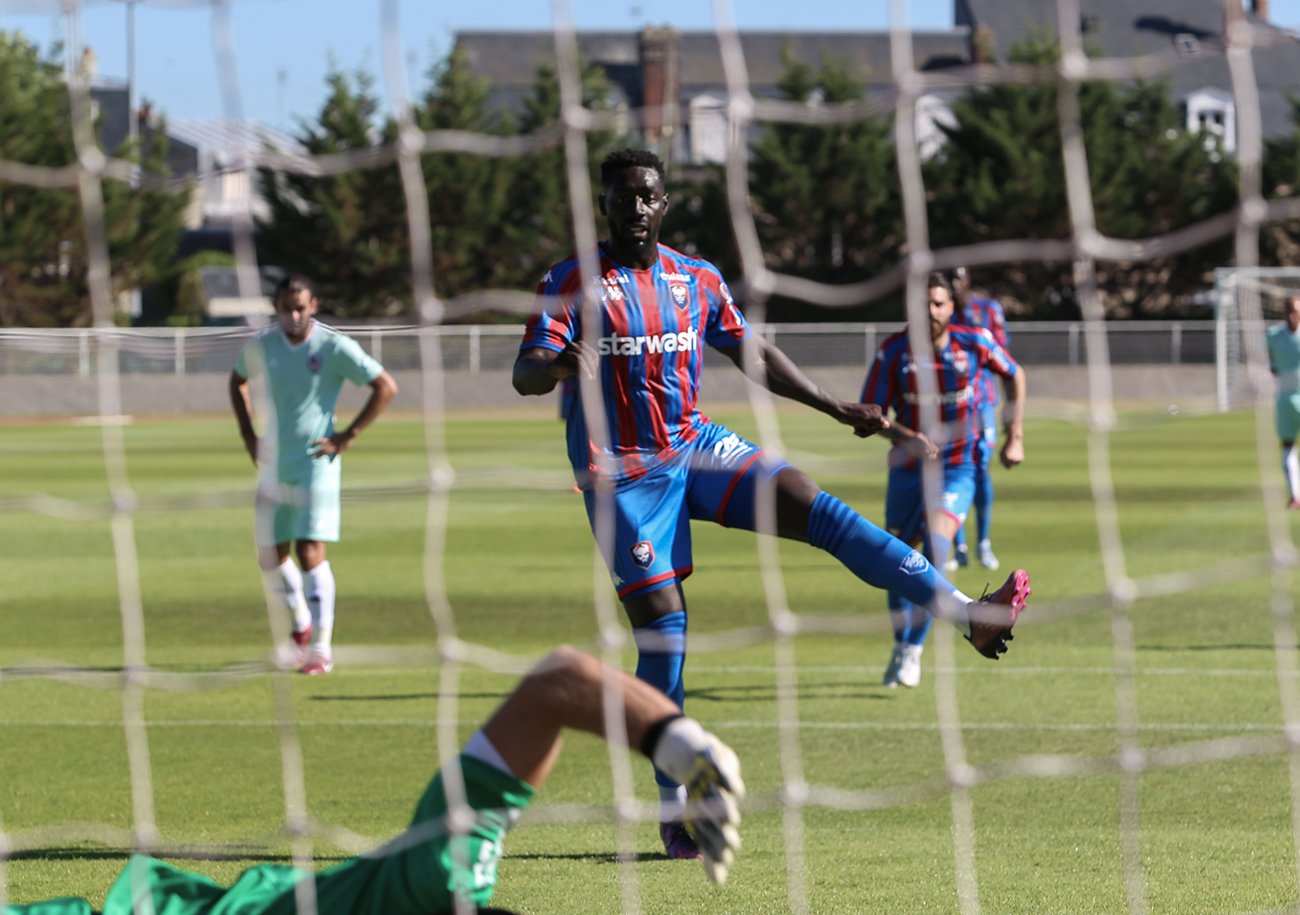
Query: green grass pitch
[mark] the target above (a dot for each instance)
(1215, 837)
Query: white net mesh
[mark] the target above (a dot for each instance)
(1255, 301)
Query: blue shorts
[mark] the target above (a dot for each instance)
(1286, 416)
(905, 504)
(715, 478)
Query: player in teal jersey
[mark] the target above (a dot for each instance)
(425, 870)
(305, 364)
(1284, 360)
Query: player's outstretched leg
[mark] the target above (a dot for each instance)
(883, 561)
(568, 690)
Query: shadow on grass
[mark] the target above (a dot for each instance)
(1206, 647)
(394, 697)
(767, 692)
(598, 857)
(120, 854)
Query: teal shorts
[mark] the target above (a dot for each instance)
(299, 504)
(1286, 416)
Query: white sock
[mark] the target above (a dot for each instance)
(285, 581)
(1291, 467)
(962, 618)
(672, 803)
(320, 599)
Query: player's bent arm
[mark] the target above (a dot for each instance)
(917, 443)
(1013, 420)
(786, 379)
(538, 369)
(382, 391)
(535, 371)
(243, 408)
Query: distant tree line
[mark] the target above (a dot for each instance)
(826, 198)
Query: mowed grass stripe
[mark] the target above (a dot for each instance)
(1216, 837)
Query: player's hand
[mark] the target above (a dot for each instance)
(1013, 452)
(333, 446)
(711, 815)
(920, 447)
(579, 358)
(866, 418)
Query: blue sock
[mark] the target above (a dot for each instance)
(983, 502)
(878, 558)
(660, 664)
(911, 623)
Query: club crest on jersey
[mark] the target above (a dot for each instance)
(613, 291)
(913, 564)
(678, 294)
(960, 364)
(313, 362)
(643, 554)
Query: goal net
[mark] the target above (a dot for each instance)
(1247, 297)
(1237, 292)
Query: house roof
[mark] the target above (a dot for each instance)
(511, 59)
(222, 137)
(1127, 28)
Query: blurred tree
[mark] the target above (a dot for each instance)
(826, 199)
(43, 259)
(1281, 178)
(348, 231)
(496, 223)
(538, 213)
(1000, 175)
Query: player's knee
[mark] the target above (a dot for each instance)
(563, 664)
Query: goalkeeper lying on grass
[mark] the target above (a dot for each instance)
(424, 870)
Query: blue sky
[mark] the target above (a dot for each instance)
(283, 48)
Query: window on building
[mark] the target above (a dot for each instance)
(1211, 112)
(708, 123)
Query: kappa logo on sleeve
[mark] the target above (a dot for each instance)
(643, 554)
(913, 564)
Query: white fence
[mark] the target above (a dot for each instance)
(479, 348)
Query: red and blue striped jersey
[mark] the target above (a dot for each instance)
(893, 383)
(652, 325)
(986, 313)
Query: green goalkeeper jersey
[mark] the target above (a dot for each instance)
(416, 874)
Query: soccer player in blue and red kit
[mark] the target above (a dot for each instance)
(666, 463)
(958, 355)
(978, 311)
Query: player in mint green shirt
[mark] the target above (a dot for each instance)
(1284, 360)
(423, 870)
(304, 364)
